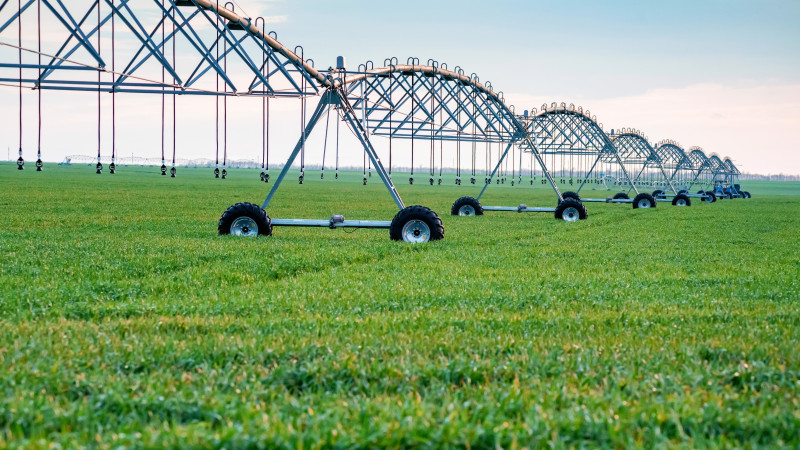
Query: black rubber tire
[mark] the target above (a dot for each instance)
(701, 192)
(710, 197)
(250, 210)
(680, 197)
(621, 195)
(683, 191)
(464, 201)
(644, 196)
(656, 193)
(416, 212)
(570, 203)
(571, 194)
(747, 194)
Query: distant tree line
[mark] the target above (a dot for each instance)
(758, 177)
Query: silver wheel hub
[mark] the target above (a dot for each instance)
(644, 203)
(570, 214)
(466, 210)
(416, 231)
(244, 226)
(680, 202)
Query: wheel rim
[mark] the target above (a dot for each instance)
(244, 226)
(680, 202)
(570, 214)
(707, 199)
(644, 203)
(466, 210)
(416, 231)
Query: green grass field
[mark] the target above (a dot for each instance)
(127, 321)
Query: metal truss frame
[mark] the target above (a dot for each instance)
(570, 131)
(413, 101)
(702, 165)
(674, 159)
(398, 101)
(634, 148)
(733, 175)
(725, 171)
(215, 35)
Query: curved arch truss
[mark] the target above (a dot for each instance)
(411, 101)
(720, 169)
(682, 168)
(672, 155)
(699, 159)
(200, 47)
(635, 150)
(562, 130)
(732, 169)
(633, 146)
(418, 101)
(703, 167)
(567, 129)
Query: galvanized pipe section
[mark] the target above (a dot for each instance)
(597, 200)
(520, 208)
(331, 224)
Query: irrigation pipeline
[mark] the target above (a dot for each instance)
(225, 18)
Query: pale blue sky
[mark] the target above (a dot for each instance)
(723, 75)
(586, 48)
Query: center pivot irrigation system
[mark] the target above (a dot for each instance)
(202, 47)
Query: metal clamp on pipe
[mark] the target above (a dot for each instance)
(336, 219)
(522, 207)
